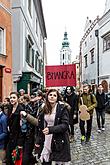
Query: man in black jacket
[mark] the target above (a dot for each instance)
(102, 99)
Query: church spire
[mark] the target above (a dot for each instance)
(65, 42)
(65, 52)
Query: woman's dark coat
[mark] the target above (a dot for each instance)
(15, 134)
(72, 100)
(61, 151)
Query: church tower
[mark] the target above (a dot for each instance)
(65, 52)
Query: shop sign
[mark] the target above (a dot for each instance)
(8, 70)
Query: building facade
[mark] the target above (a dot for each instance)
(104, 48)
(88, 54)
(76, 61)
(65, 52)
(29, 33)
(94, 51)
(5, 49)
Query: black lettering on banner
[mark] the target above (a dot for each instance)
(49, 75)
(60, 75)
(72, 75)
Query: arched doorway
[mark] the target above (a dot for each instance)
(105, 85)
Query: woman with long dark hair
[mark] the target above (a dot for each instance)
(72, 99)
(54, 123)
(14, 127)
(53, 126)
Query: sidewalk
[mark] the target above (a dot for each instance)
(98, 152)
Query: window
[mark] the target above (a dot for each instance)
(29, 7)
(85, 43)
(42, 68)
(92, 56)
(36, 26)
(90, 37)
(37, 62)
(85, 60)
(40, 40)
(32, 58)
(63, 57)
(2, 41)
(106, 42)
(29, 52)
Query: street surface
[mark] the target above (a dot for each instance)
(95, 153)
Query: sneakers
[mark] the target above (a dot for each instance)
(88, 142)
(99, 130)
(87, 139)
(82, 139)
(103, 129)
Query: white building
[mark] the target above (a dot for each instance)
(65, 52)
(76, 61)
(104, 47)
(29, 33)
(88, 53)
(95, 51)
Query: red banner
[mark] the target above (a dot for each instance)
(61, 75)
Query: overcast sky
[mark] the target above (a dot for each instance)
(70, 15)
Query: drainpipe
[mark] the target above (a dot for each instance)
(97, 35)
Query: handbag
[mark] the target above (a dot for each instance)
(19, 162)
(17, 156)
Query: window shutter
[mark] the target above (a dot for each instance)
(27, 50)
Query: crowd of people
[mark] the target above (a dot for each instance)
(44, 123)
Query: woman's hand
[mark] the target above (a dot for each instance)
(23, 113)
(46, 131)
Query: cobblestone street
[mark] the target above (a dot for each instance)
(98, 152)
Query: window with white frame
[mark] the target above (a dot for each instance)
(106, 42)
(29, 51)
(92, 55)
(37, 62)
(85, 57)
(2, 41)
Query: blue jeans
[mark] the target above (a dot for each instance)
(100, 117)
